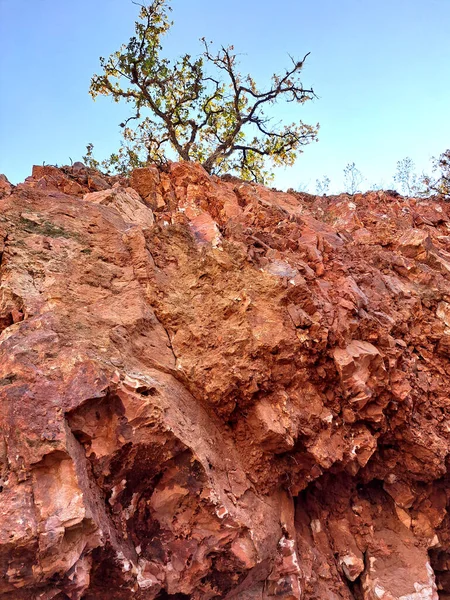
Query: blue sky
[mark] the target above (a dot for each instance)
(380, 68)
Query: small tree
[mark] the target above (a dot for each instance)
(302, 187)
(202, 108)
(322, 185)
(89, 159)
(440, 182)
(352, 178)
(378, 186)
(406, 177)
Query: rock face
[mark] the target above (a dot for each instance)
(210, 389)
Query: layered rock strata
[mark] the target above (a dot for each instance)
(210, 389)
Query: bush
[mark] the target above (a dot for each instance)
(439, 183)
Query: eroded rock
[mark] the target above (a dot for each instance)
(210, 389)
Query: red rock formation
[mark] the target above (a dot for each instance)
(210, 389)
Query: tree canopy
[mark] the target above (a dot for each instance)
(202, 108)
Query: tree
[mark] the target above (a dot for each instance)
(352, 178)
(406, 177)
(201, 108)
(440, 182)
(322, 185)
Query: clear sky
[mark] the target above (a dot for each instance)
(381, 69)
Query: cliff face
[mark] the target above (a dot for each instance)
(209, 389)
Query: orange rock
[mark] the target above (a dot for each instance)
(211, 389)
(5, 186)
(146, 182)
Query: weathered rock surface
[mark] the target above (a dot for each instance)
(210, 389)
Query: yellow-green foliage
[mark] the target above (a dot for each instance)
(202, 108)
